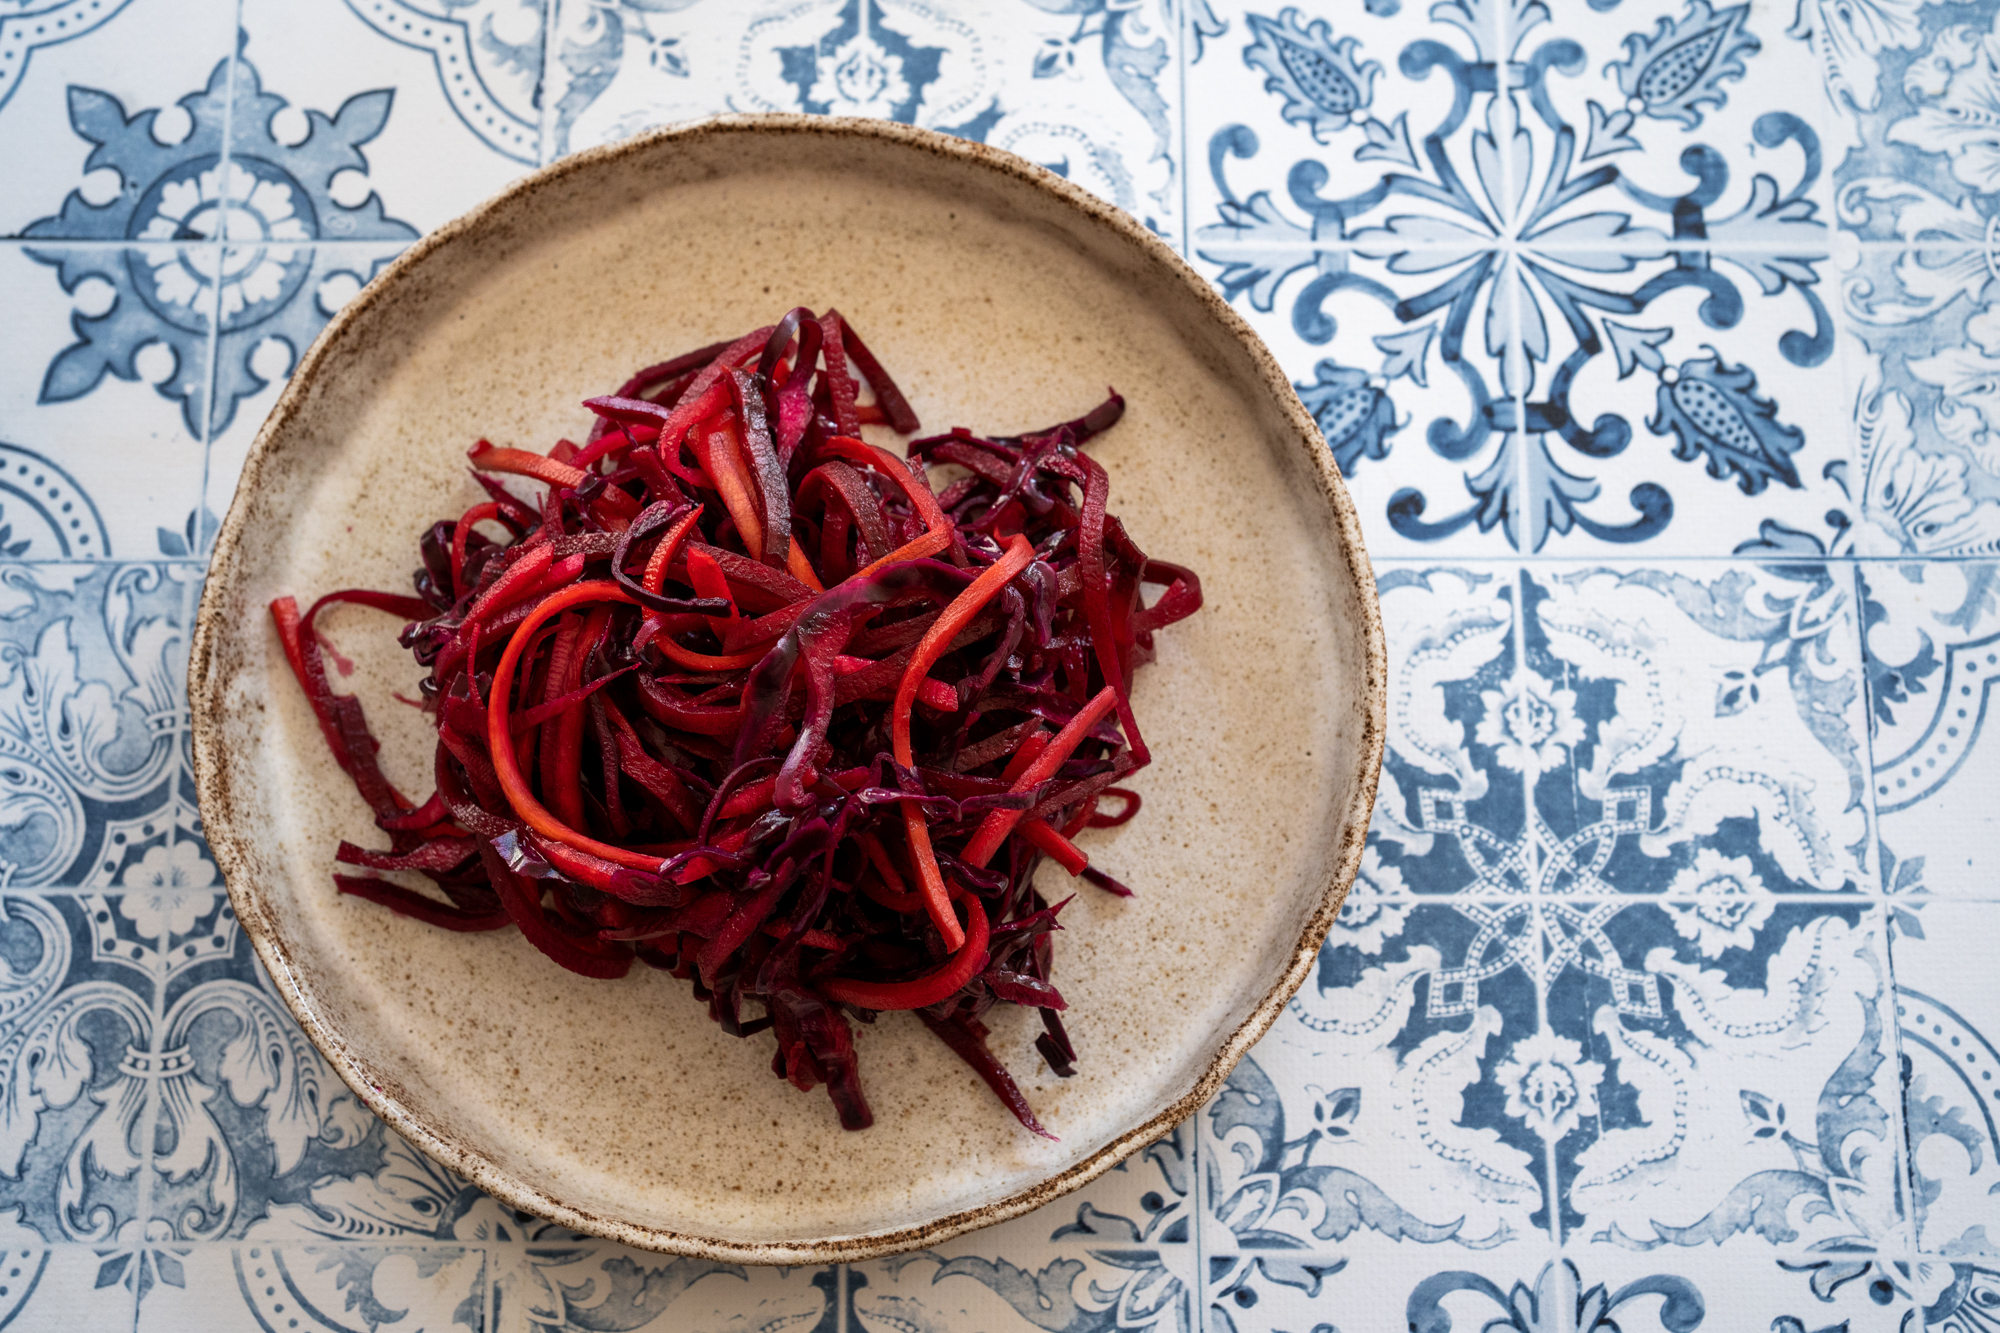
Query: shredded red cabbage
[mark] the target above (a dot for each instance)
(742, 698)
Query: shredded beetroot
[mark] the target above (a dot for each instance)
(743, 698)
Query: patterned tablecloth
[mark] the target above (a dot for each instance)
(1660, 341)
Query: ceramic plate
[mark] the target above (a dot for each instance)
(1002, 298)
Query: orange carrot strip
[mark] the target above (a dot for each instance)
(500, 741)
(956, 616)
(999, 823)
(968, 960)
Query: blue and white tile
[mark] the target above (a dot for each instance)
(1798, 1292)
(1707, 114)
(1088, 88)
(1599, 111)
(1308, 96)
(1965, 1296)
(1923, 373)
(1948, 1007)
(1262, 1293)
(377, 119)
(277, 297)
(1007, 1280)
(1694, 730)
(1450, 815)
(92, 688)
(1710, 418)
(1916, 80)
(1525, 1293)
(104, 374)
(1387, 1109)
(1146, 1200)
(1404, 348)
(1571, 248)
(563, 1283)
(1747, 1096)
(78, 1004)
(105, 98)
(1933, 655)
(255, 1137)
(259, 1145)
(66, 1286)
(1521, 1290)
(321, 1289)
(1404, 384)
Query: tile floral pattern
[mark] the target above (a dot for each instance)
(1588, 309)
(1660, 343)
(1089, 88)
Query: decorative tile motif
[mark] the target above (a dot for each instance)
(58, 54)
(1549, 275)
(1595, 1294)
(487, 55)
(60, 395)
(432, 101)
(1147, 1200)
(1932, 628)
(79, 988)
(40, 25)
(1085, 87)
(1641, 716)
(1393, 1103)
(259, 1287)
(92, 683)
(1903, 82)
(565, 1286)
(1753, 1106)
(272, 198)
(1923, 372)
(1949, 1012)
(1713, 716)
(1003, 1281)
(1449, 814)
(1913, 198)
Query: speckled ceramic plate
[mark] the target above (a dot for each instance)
(1002, 297)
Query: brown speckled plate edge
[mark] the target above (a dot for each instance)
(381, 1096)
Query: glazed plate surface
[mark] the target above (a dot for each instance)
(1003, 299)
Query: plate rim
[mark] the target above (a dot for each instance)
(206, 715)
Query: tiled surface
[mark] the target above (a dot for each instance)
(1660, 341)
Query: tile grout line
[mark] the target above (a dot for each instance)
(1891, 1007)
(1514, 192)
(1877, 889)
(1198, 1202)
(155, 1044)
(217, 248)
(1906, 1165)
(215, 319)
(551, 11)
